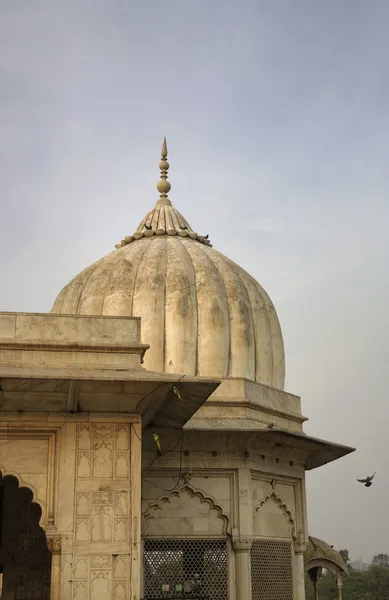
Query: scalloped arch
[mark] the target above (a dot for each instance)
(195, 493)
(24, 484)
(274, 497)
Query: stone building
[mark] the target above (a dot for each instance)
(148, 448)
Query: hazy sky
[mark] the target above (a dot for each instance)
(277, 117)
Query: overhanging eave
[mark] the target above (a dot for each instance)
(148, 393)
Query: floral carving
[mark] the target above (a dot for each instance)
(102, 431)
(54, 544)
(242, 545)
(101, 561)
(121, 503)
(102, 498)
(122, 437)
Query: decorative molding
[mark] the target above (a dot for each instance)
(300, 544)
(54, 544)
(332, 567)
(198, 472)
(38, 431)
(274, 497)
(186, 477)
(268, 477)
(195, 493)
(53, 478)
(260, 408)
(242, 545)
(27, 431)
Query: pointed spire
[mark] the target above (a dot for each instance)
(163, 185)
(164, 219)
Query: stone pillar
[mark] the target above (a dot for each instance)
(54, 544)
(299, 567)
(243, 568)
(339, 585)
(316, 589)
(299, 576)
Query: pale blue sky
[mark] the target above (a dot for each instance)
(277, 118)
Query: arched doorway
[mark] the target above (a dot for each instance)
(25, 560)
(319, 556)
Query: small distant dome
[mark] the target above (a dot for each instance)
(201, 313)
(320, 550)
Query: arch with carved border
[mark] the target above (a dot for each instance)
(324, 563)
(274, 497)
(24, 484)
(195, 493)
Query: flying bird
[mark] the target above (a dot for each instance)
(367, 481)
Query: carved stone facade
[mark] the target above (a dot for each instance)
(76, 400)
(211, 495)
(25, 558)
(91, 549)
(103, 530)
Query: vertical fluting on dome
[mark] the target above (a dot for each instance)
(149, 300)
(181, 310)
(213, 321)
(201, 313)
(242, 352)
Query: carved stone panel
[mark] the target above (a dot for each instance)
(102, 512)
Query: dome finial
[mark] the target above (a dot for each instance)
(163, 185)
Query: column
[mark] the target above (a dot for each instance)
(299, 576)
(315, 587)
(339, 585)
(243, 568)
(299, 567)
(55, 545)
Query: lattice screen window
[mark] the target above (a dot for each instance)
(168, 563)
(271, 570)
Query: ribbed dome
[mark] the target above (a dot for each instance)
(200, 312)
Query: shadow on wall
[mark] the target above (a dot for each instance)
(25, 560)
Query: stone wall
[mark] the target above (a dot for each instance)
(200, 496)
(84, 474)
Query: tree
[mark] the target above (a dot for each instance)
(346, 557)
(380, 560)
(372, 584)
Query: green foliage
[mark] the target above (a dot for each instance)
(380, 560)
(345, 555)
(372, 584)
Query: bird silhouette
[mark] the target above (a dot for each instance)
(367, 481)
(148, 227)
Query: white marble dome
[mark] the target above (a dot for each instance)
(201, 313)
